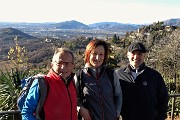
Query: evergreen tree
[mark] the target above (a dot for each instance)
(114, 39)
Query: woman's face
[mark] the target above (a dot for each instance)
(97, 56)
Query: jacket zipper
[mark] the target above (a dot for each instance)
(100, 96)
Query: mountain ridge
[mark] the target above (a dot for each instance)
(69, 29)
(73, 24)
(10, 33)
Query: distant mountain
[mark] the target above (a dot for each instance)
(103, 23)
(172, 22)
(71, 25)
(10, 33)
(60, 30)
(114, 26)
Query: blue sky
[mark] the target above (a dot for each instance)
(89, 11)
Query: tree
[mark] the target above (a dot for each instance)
(10, 80)
(17, 55)
(114, 39)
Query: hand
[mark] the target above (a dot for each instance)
(85, 113)
(118, 116)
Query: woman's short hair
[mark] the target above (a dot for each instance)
(92, 45)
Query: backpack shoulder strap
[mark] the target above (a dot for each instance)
(43, 90)
(79, 79)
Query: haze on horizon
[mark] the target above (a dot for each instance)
(89, 11)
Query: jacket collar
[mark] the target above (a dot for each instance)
(57, 77)
(93, 71)
(129, 69)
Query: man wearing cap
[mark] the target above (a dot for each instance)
(145, 95)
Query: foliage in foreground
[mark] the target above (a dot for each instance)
(163, 55)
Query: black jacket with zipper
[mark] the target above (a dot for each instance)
(146, 97)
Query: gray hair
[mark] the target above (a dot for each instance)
(61, 51)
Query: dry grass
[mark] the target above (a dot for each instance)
(5, 65)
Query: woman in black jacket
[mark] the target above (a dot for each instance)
(99, 98)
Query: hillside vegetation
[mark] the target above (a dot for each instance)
(162, 41)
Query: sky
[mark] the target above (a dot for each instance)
(89, 11)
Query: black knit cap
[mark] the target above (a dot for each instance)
(137, 46)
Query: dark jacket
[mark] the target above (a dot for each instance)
(98, 94)
(146, 97)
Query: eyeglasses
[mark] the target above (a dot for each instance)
(64, 63)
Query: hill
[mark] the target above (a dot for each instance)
(70, 25)
(114, 26)
(71, 29)
(56, 29)
(154, 35)
(172, 22)
(7, 35)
